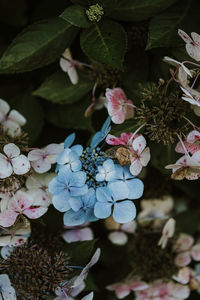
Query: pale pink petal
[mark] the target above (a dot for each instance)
(126, 137)
(11, 150)
(75, 235)
(121, 290)
(112, 140)
(16, 117)
(4, 107)
(195, 252)
(129, 227)
(41, 165)
(193, 51)
(113, 108)
(135, 167)
(21, 201)
(196, 38)
(118, 238)
(179, 291)
(183, 259)
(36, 154)
(8, 218)
(21, 164)
(118, 117)
(139, 144)
(12, 128)
(193, 136)
(184, 36)
(73, 75)
(40, 197)
(145, 157)
(6, 168)
(35, 212)
(184, 242)
(54, 149)
(115, 94)
(196, 156)
(138, 285)
(183, 275)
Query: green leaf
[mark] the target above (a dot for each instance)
(69, 116)
(135, 10)
(106, 42)
(80, 252)
(163, 28)
(38, 45)
(128, 126)
(57, 88)
(75, 14)
(32, 110)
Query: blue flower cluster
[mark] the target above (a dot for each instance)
(90, 186)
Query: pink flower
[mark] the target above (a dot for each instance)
(123, 289)
(68, 65)
(191, 143)
(186, 167)
(119, 108)
(186, 250)
(21, 204)
(42, 159)
(159, 290)
(139, 153)
(78, 233)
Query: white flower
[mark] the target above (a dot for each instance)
(177, 64)
(68, 66)
(37, 187)
(13, 161)
(187, 96)
(168, 232)
(11, 122)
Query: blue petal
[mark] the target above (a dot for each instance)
(127, 173)
(119, 172)
(109, 165)
(69, 140)
(103, 194)
(102, 210)
(100, 135)
(124, 211)
(56, 187)
(60, 201)
(76, 165)
(89, 199)
(76, 203)
(63, 157)
(78, 191)
(72, 218)
(136, 188)
(78, 179)
(64, 175)
(119, 190)
(78, 149)
(90, 217)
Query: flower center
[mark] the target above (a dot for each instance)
(91, 159)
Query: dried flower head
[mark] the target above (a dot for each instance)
(163, 112)
(33, 272)
(148, 260)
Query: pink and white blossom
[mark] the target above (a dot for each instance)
(124, 288)
(13, 162)
(42, 159)
(192, 44)
(186, 250)
(192, 143)
(119, 107)
(21, 204)
(11, 121)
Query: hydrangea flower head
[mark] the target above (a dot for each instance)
(81, 184)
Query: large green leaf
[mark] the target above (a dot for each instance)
(105, 42)
(37, 46)
(58, 89)
(163, 28)
(135, 10)
(69, 116)
(75, 14)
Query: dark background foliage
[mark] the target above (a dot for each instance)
(130, 40)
